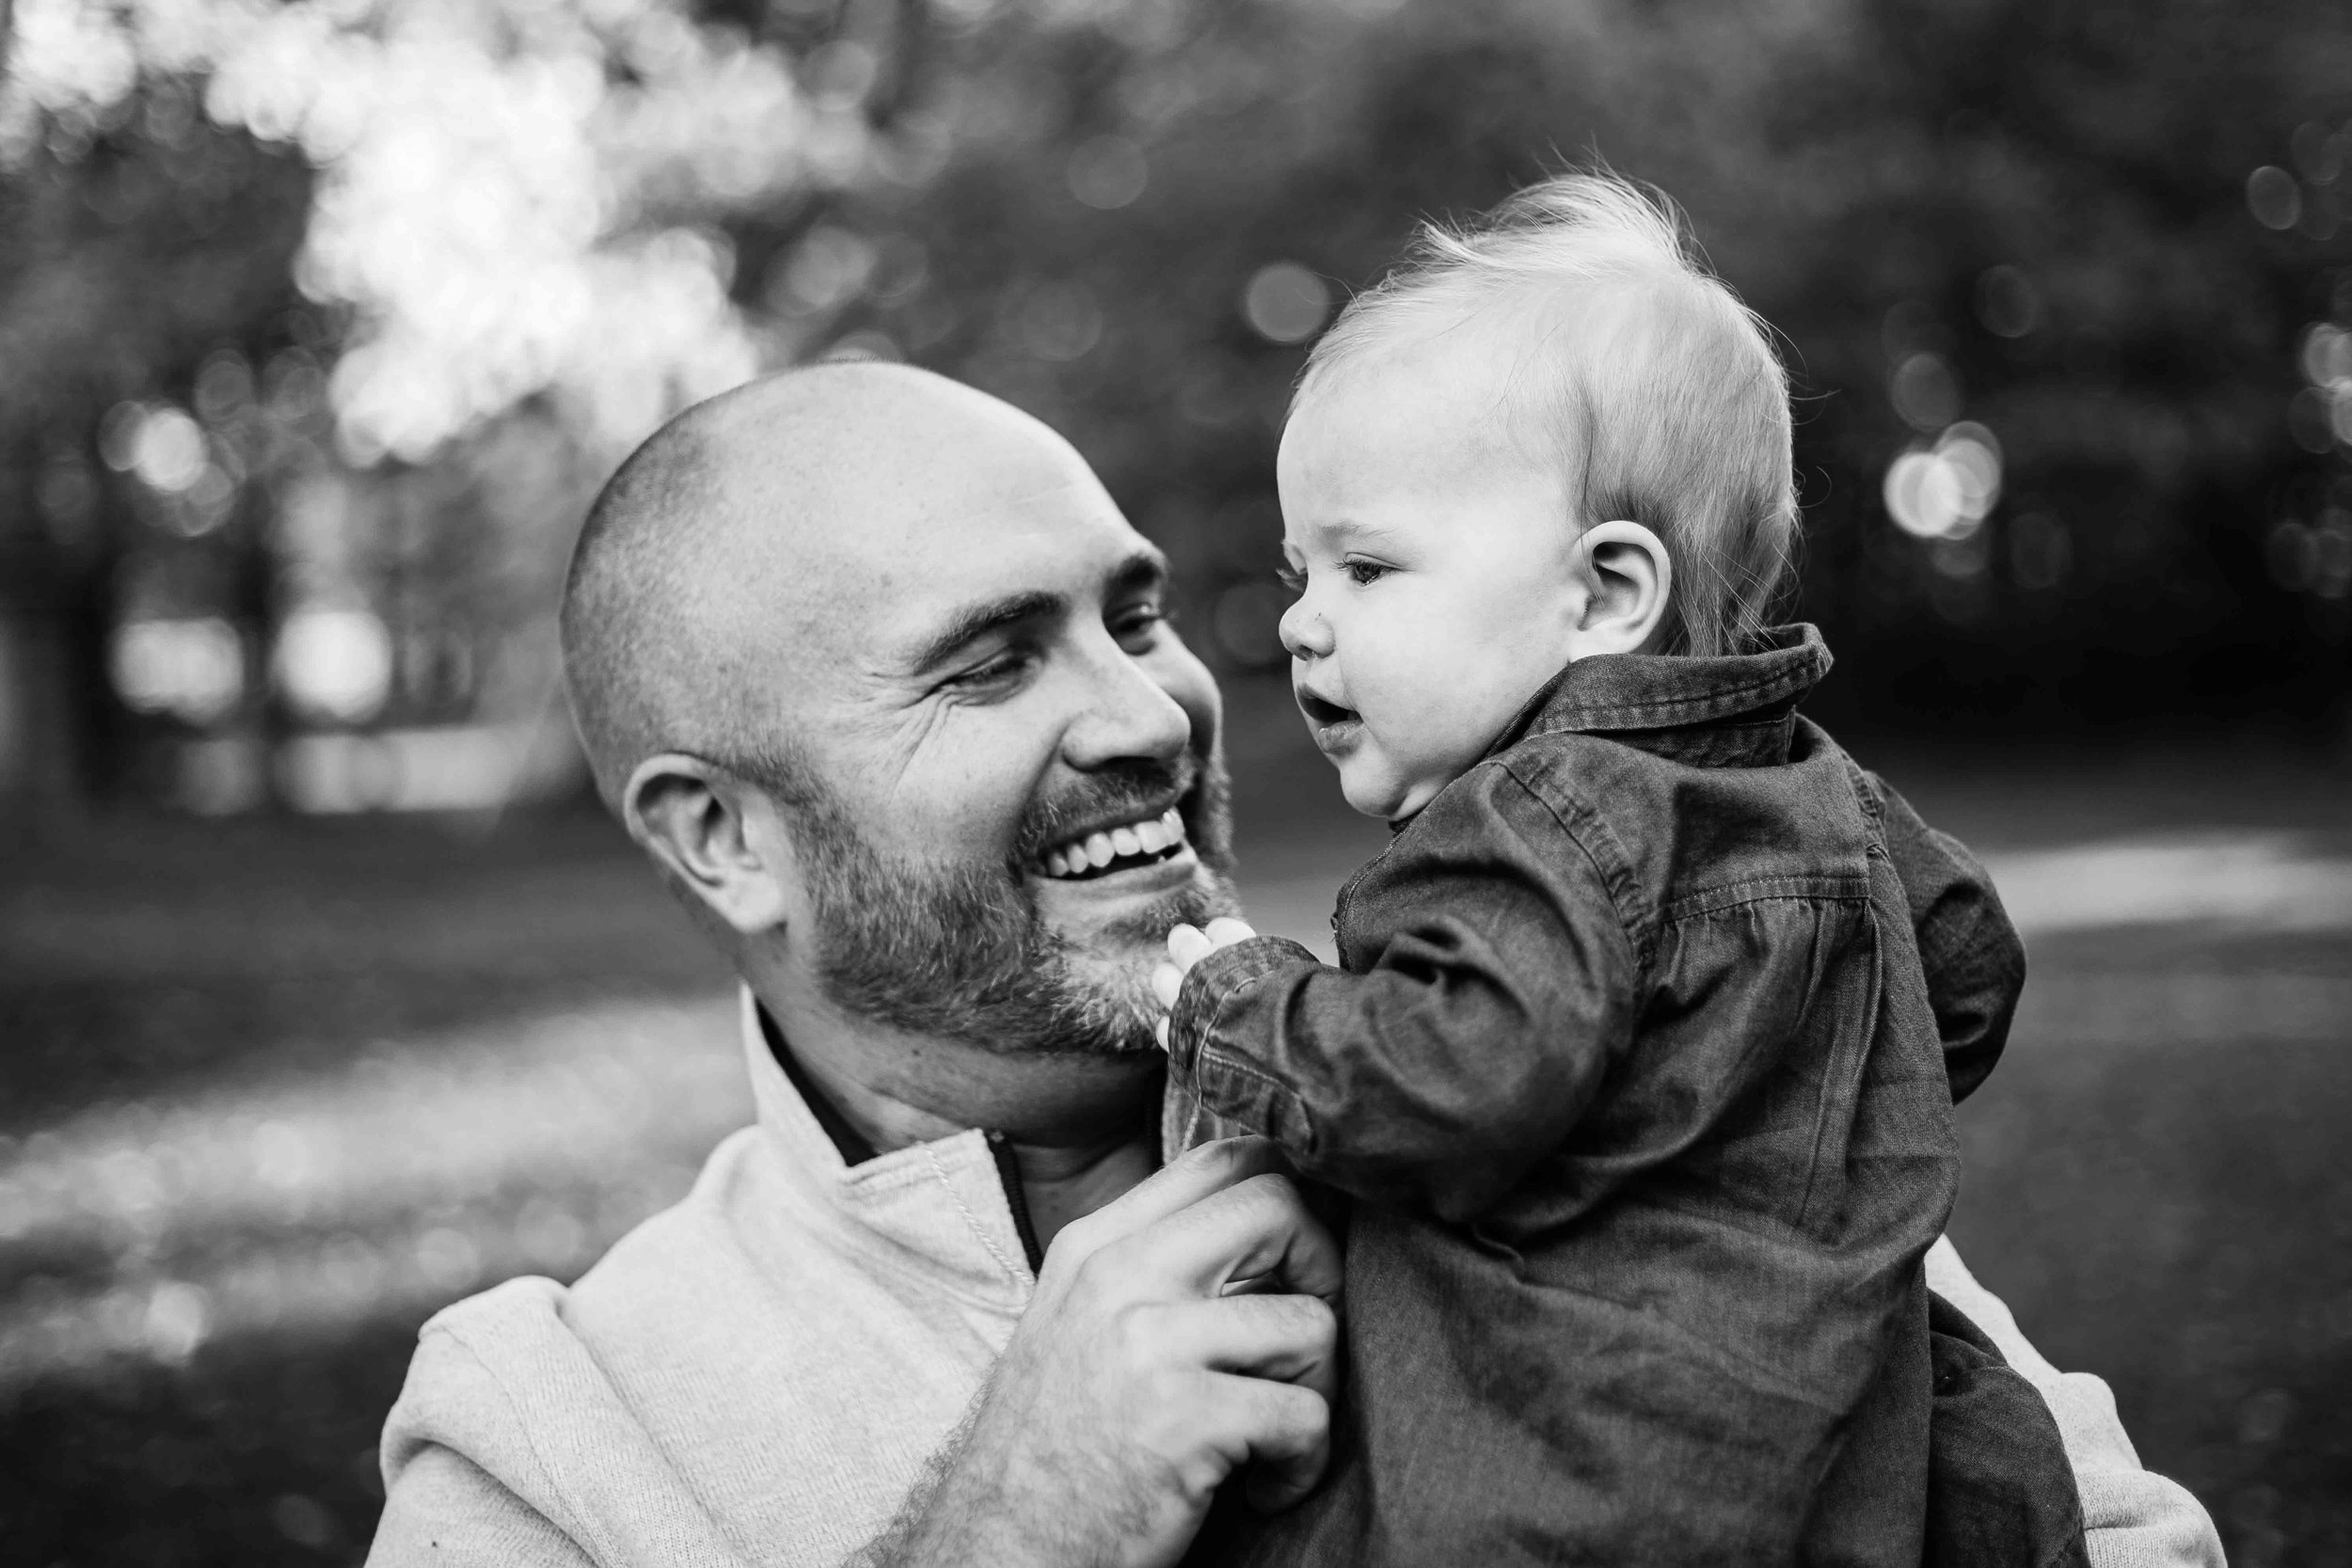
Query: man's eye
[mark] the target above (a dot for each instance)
(1003, 669)
(1138, 625)
(1365, 572)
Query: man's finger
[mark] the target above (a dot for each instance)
(1260, 1225)
(1288, 1433)
(1289, 1339)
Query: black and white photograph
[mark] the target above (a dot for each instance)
(1117, 783)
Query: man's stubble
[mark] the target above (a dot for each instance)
(962, 952)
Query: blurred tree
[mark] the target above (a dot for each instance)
(2081, 250)
(131, 245)
(2028, 226)
(358, 299)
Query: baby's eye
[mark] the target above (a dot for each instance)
(1291, 578)
(1363, 573)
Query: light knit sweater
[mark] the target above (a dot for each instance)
(756, 1375)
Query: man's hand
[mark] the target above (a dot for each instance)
(1178, 1334)
(1188, 945)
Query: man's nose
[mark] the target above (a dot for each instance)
(1127, 714)
(1304, 633)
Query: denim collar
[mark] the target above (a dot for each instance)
(1734, 710)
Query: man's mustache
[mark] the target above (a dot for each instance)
(1137, 786)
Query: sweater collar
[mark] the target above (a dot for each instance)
(941, 1204)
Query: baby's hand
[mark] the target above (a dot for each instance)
(1188, 945)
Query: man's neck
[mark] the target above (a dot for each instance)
(1083, 1128)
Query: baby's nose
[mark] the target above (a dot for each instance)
(1305, 634)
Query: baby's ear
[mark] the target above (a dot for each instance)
(1629, 581)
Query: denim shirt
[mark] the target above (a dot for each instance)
(1641, 1063)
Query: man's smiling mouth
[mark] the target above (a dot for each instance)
(1146, 840)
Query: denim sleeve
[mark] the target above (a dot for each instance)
(1499, 986)
(1976, 965)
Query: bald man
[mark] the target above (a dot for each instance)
(876, 673)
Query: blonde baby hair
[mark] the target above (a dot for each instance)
(1639, 371)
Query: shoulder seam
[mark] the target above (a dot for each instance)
(1616, 875)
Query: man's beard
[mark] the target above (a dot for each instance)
(962, 952)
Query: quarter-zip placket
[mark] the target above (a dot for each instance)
(1009, 1172)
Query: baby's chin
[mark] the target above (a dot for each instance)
(1374, 785)
(1376, 792)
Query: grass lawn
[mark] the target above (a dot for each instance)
(274, 1091)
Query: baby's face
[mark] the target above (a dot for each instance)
(1432, 559)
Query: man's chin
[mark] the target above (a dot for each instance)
(1109, 950)
(1130, 922)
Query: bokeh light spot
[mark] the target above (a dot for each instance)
(829, 268)
(1060, 322)
(1945, 491)
(2310, 420)
(335, 665)
(2006, 301)
(2273, 197)
(1925, 390)
(168, 451)
(1285, 303)
(2319, 152)
(191, 668)
(1107, 172)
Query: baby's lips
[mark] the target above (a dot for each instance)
(1318, 707)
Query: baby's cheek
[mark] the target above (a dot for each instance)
(1367, 782)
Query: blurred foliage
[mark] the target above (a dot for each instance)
(420, 271)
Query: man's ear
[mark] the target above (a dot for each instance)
(1629, 582)
(716, 839)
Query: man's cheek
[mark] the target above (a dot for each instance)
(977, 825)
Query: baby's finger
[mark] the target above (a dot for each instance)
(1225, 930)
(1188, 945)
(1167, 980)
(1159, 1032)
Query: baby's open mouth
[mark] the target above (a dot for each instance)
(1321, 713)
(1121, 848)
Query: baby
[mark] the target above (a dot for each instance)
(1641, 1055)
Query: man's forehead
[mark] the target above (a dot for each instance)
(875, 592)
(1067, 541)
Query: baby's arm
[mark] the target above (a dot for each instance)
(1497, 986)
(1976, 966)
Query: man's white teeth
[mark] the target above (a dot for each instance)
(1152, 836)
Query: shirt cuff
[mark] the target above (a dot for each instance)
(1213, 1056)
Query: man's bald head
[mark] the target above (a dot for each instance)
(752, 520)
